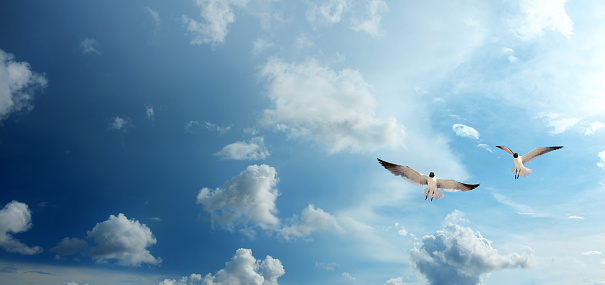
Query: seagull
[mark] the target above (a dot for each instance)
(520, 169)
(433, 182)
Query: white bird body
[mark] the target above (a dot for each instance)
(519, 168)
(430, 180)
(520, 160)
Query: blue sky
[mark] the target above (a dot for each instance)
(235, 142)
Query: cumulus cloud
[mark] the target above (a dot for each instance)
(17, 85)
(243, 268)
(90, 46)
(253, 150)
(457, 255)
(123, 239)
(15, 218)
(216, 16)
(557, 124)
(247, 198)
(69, 246)
(465, 131)
(538, 16)
(335, 109)
(311, 220)
(326, 12)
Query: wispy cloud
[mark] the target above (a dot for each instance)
(120, 124)
(90, 46)
(155, 16)
(149, 112)
(221, 130)
(521, 209)
(465, 131)
(216, 17)
(558, 124)
(593, 127)
(253, 150)
(601, 162)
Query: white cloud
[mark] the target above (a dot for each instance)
(190, 125)
(559, 125)
(253, 150)
(484, 146)
(601, 156)
(311, 220)
(149, 111)
(247, 198)
(326, 266)
(510, 54)
(122, 239)
(538, 16)
(370, 24)
(327, 12)
(15, 218)
(260, 45)
(216, 16)
(17, 83)
(212, 127)
(465, 131)
(335, 109)
(120, 124)
(457, 255)
(395, 281)
(593, 127)
(90, 46)
(592, 252)
(348, 276)
(574, 217)
(243, 268)
(68, 246)
(521, 209)
(154, 15)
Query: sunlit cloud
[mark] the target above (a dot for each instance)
(311, 220)
(538, 16)
(593, 127)
(125, 240)
(601, 162)
(557, 124)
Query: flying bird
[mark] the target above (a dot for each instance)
(520, 161)
(433, 182)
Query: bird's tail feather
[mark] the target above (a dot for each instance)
(524, 171)
(436, 196)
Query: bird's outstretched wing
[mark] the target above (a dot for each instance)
(537, 152)
(506, 149)
(406, 172)
(453, 185)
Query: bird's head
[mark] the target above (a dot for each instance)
(515, 155)
(432, 174)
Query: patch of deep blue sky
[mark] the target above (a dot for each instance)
(137, 111)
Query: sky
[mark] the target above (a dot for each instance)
(235, 142)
